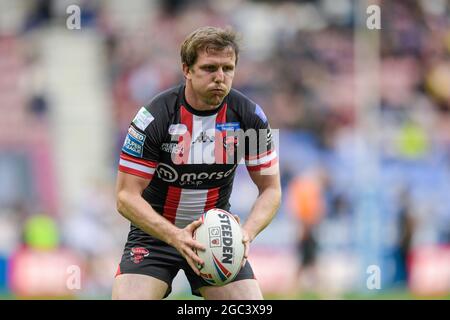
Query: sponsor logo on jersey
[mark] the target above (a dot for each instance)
(198, 178)
(166, 173)
(143, 119)
(138, 254)
(134, 146)
(169, 174)
(177, 129)
(228, 126)
(173, 148)
(203, 137)
(136, 134)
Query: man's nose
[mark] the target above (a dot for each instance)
(219, 76)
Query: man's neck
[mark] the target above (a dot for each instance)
(195, 102)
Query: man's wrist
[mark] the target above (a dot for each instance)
(171, 235)
(250, 234)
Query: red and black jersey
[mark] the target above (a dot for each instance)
(191, 156)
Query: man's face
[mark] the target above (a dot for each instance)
(212, 75)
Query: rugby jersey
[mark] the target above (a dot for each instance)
(190, 156)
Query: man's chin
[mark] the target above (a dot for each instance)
(216, 100)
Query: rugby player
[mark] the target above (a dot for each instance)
(166, 180)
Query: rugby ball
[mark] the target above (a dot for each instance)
(221, 235)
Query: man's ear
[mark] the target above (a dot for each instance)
(186, 71)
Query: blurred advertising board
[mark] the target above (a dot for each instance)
(45, 273)
(429, 270)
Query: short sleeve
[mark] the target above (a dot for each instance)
(260, 152)
(141, 148)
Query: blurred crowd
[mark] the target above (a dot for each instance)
(298, 63)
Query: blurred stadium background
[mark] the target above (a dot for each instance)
(364, 130)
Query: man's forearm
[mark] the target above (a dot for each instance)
(263, 211)
(141, 214)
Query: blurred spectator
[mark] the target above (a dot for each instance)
(306, 196)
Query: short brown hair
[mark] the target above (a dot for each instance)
(208, 38)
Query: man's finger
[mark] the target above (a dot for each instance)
(193, 266)
(196, 245)
(246, 242)
(237, 218)
(193, 261)
(246, 250)
(194, 257)
(194, 225)
(244, 261)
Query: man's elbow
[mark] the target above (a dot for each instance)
(275, 195)
(121, 202)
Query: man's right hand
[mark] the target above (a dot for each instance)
(185, 245)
